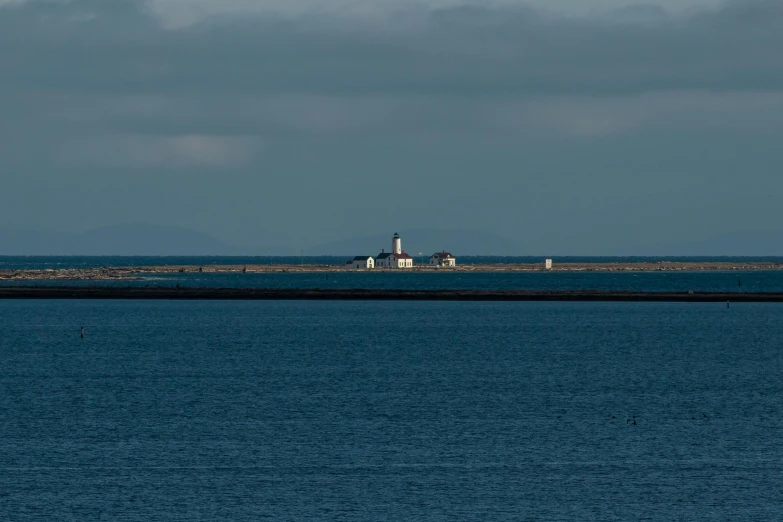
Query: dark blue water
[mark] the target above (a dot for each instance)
(55, 262)
(753, 281)
(390, 411)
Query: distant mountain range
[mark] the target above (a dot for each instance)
(153, 240)
(427, 241)
(746, 243)
(121, 240)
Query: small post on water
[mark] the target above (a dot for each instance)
(727, 304)
(81, 332)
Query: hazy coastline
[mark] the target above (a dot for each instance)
(136, 272)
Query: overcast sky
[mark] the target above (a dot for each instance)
(571, 127)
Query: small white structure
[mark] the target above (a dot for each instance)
(360, 263)
(396, 244)
(443, 259)
(397, 258)
(548, 264)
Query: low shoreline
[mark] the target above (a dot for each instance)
(138, 272)
(318, 294)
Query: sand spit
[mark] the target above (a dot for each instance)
(69, 274)
(130, 273)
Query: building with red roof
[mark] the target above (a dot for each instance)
(443, 259)
(397, 258)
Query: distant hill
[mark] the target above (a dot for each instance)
(746, 243)
(121, 240)
(30, 242)
(153, 240)
(458, 242)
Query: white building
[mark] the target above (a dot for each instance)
(389, 260)
(360, 263)
(396, 244)
(397, 258)
(443, 259)
(548, 264)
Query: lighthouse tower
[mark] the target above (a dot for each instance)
(396, 244)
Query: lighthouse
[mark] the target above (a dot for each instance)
(396, 258)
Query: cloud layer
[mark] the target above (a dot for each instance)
(150, 86)
(92, 63)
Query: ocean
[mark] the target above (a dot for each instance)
(707, 281)
(301, 411)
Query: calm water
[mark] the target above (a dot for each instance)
(755, 281)
(390, 411)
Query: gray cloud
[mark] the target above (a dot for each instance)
(89, 45)
(88, 63)
(282, 103)
(149, 151)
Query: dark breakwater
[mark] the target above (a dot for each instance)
(116, 292)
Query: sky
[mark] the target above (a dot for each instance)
(583, 127)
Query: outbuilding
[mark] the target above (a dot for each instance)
(443, 259)
(360, 263)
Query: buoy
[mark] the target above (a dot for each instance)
(727, 304)
(81, 332)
